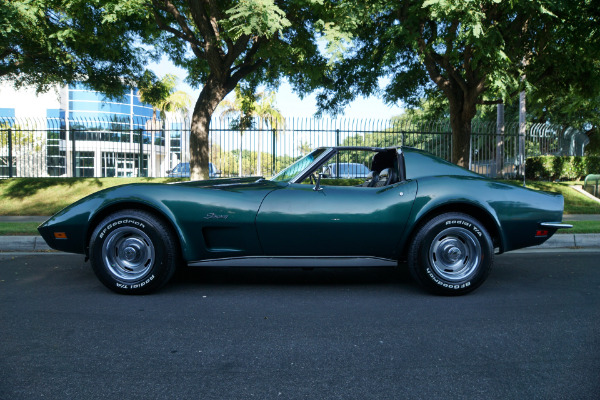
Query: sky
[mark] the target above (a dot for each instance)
(289, 103)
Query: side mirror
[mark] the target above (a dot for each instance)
(318, 187)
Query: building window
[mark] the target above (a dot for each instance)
(123, 164)
(84, 164)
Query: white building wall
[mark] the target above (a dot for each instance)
(31, 109)
(26, 102)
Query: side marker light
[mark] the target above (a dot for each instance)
(541, 233)
(60, 235)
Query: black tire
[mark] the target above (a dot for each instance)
(451, 254)
(133, 252)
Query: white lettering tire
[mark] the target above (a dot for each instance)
(133, 252)
(451, 254)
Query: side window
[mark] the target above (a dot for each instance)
(346, 168)
(358, 168)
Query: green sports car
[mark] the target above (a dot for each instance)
(446, 222)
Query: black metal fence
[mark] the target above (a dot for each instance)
(54, 147)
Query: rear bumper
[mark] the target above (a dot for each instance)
(555, 225)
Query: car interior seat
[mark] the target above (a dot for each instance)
(387, 177)
(372, 178)
(384, 161)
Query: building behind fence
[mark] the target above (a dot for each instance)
(146, 147)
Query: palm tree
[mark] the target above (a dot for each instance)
(162, 96)
(246, 106)
(267, 114)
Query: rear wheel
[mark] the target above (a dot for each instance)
(133, 252)
(451, 254)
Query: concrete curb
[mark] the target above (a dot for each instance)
(581, 240)
(23, 243)
(569, 240)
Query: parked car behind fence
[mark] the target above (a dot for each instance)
(182, 170)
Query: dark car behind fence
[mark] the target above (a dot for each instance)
(56, 147)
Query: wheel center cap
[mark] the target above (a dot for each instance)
(130, 253)
(454, 254)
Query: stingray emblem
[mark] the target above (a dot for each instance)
(215, 216)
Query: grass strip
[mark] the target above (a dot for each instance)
(46, 196)
(582, 227)
(18, 228)
(575, 202)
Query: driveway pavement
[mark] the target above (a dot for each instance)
(531, 331)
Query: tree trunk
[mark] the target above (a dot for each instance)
(210, 97)
(462, 112)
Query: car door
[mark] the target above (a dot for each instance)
(335, 221)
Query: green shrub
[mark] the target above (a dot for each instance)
(561, 168)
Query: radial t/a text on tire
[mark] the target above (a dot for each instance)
(133, 252)
(451, 254)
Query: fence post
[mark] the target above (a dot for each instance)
(273, 156)
(499, 140)
(337, 156)
(141, 154)
(471, 152)
(10, 151)
(73, 154)
(522, 133)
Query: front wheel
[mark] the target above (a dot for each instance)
(133, 252)
(451, 254)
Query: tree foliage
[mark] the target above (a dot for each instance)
(225, 42)
(220, 43)
(43, 42)
(472, 52)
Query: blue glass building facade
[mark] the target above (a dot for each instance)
(80, 132)
(116, 126)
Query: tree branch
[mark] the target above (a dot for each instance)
(430, 62)
(186, 34)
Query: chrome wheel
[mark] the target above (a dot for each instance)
(128, 253)
(455, 254)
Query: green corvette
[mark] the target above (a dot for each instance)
(337, 206)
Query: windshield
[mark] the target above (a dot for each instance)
(297, 167)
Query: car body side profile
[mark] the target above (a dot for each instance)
(445, 221)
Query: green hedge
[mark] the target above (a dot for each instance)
(561, 168)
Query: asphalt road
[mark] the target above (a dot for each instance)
(532, 331)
